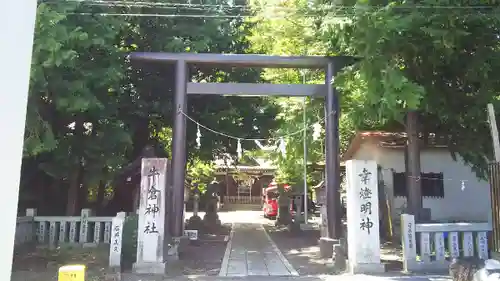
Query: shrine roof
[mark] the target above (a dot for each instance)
(226, 163)
(245, 169)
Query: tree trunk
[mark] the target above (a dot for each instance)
(414, 183)
(73, 191)
(75, 170)
(55, 198)
(385, 215)
(196, 205)
(140, 138)
(83, 191)
(100, 197)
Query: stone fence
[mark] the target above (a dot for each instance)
(84, 230)
(431, 246)
(243, 199)
(54, 230)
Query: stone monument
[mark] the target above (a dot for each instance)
(152, 243)
(195, 222)
(115, 251)
(363, 235)
(211, 217)
(284, 216)
(325, 243)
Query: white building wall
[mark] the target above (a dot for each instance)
(471, 203)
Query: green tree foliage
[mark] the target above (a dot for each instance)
(200, 174)
(284, 28)
(290, 166)
(441, 62)
(437, 60)
(77, 70)
(91, 110)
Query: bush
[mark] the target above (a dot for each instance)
(129, 241)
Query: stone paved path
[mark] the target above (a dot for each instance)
(251, 252)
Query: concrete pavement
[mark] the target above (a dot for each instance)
(342, 277)
(251, 252)
(44, 276)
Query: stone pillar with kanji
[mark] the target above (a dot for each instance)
(152, 243)
(363, 237)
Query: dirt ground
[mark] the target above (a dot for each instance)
(302, 251)
(203, 257)
(42, 263)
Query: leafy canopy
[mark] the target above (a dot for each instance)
(414, 56)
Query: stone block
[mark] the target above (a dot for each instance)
(175, 248)
(339, 258)
(156, 268)
(326, 247)
(366, 268)
(113, 274)
(344, 245)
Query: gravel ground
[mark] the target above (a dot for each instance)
(41, 263)
(302, 251)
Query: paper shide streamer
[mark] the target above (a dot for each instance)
(282, 147)
(239, 150)
(198, 138)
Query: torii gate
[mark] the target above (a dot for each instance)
(13, 99)
(184, 87)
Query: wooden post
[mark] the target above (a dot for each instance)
(494, 131)
(492, 216)
(196, 204)
(227, 182)
(413, 182)
(250, 196)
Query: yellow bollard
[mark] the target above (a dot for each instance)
(72, 273)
